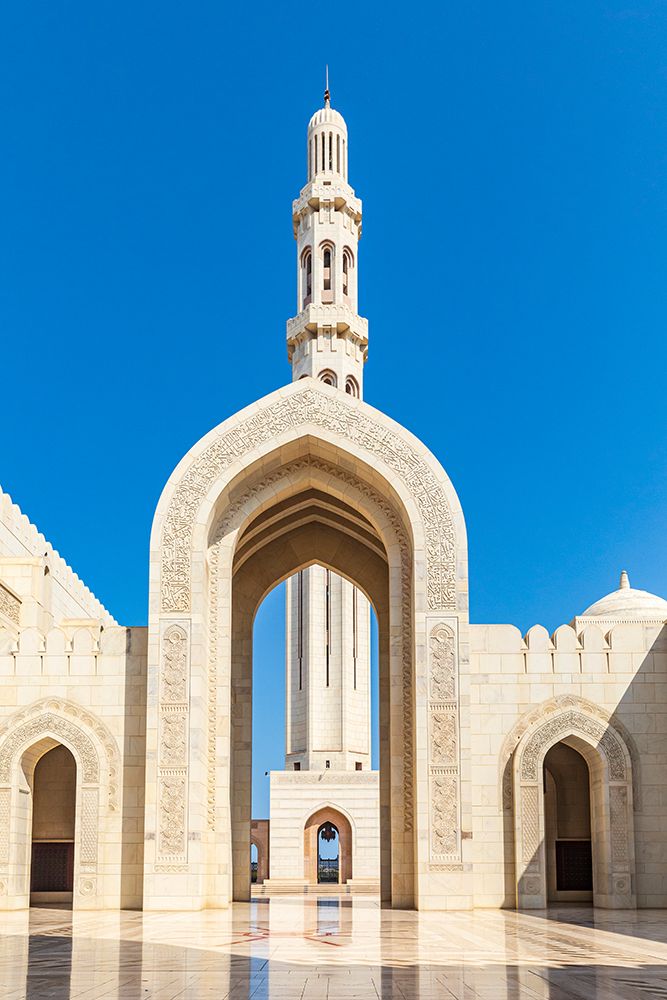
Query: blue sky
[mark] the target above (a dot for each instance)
(512, 163)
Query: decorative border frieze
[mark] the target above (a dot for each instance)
(443, 744)
(173, 743)
(309, 407)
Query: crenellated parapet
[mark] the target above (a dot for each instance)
(33, 572)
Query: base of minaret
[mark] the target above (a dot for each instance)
(301, 801)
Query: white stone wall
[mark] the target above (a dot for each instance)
(295, 796)
(327, 696)
(620, 670)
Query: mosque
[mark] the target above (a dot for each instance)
(514, 770)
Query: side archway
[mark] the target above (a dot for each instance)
(612, 827)
(26, 738)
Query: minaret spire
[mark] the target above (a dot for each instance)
(327, 339)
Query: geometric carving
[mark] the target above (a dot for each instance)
(5, 799)
(314, 408)
(62, 718)
(173, 746)
(89, 824)
(172, 814)
(443, 664)
(443, 739)
(618, 811)
(444, 814)
(9, 605)
(31, 732)
(530, 826)
(568, 723)
(174, 660)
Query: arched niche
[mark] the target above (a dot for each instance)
(343, 826)
(25, 739)
(612, 824)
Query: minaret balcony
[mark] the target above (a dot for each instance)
(338, 192)
(339, 317)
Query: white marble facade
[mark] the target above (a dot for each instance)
(474, 803)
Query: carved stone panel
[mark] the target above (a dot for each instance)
(444, 814)
(309, 407)
(173, 742)
(10, 606)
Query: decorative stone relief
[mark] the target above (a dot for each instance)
(618, 812)
(87, 887)
(443, 664)
(530, 826)
(30, 732)
(231, 514)
(547, 710)
(444, 814)
(89, 825)
(49, 712)
(10, 605)
(566, 724)
(172, 813)
(309, 407)
(173, 742)
(443, 741)
(174, 737)
(5, 801)
(174, 666)
(444, 748)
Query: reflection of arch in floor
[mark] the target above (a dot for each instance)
(314, 823)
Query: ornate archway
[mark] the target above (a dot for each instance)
(27, 736)
(312, 829)
(306, 475)
(610, 769)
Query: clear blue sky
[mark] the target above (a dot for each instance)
(512, 161)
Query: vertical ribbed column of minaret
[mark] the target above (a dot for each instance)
(327, 339)
(328, 674)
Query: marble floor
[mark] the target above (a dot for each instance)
(333, 948)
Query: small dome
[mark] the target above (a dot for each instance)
(628, 604)
(327, 116)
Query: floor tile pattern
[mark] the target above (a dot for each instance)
(326, 949)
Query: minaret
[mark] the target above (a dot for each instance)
(327, 338)
(328, 619)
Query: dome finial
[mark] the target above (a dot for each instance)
(625, 581)
(327, 95)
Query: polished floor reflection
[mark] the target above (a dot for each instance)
(334, 948)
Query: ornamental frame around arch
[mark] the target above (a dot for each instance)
(611, 807)
(324, 408)
(96, 774)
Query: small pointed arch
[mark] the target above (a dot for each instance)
(306, 277)
(348, 264)
(352, 386)
(327, 253)
(328, 377)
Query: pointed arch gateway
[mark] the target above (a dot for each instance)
(307, 475)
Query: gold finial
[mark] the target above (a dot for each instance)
(327, 95)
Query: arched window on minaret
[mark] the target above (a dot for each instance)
(347, 267)
(327, 273)
(328, 377)
(307, 276)
(352, 387)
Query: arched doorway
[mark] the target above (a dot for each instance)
(542, 784)
(327, 847)
(307, 476)
(253, 862)
(567, 824)
(53, 827)
(328, 854)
